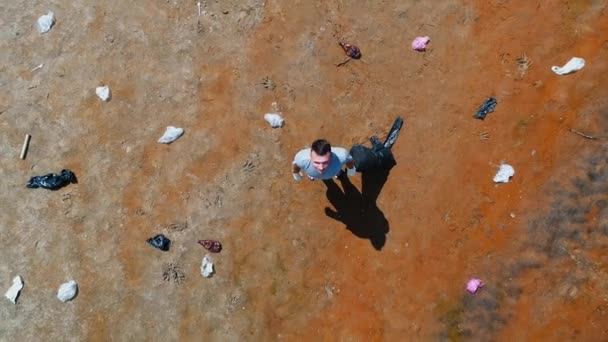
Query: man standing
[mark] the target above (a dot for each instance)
(321, 161)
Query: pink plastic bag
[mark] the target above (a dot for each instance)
(419, 43)
(474, 285)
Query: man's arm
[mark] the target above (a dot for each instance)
(350, 168)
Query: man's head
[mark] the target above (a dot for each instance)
(320, 155)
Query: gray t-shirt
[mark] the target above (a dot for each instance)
(339, 157)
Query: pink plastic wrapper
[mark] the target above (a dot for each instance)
(419, 44)
(474, 285)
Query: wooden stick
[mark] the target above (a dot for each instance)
(26, 144)
(343, 63)
(584, 135)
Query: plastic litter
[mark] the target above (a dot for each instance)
(171, 134)
(45, 22)
(275, 120)
(67, 291)
(13, 291)
(420, 43)
(504, 173)
(207, 269)
(351, 50)
(486, 108)
(160, 241)
(211, 245)
(103, 93)
(52, 181)
(474, 285)
(574, 64)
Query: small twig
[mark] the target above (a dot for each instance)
(585, 135)
(26, 143)
(343, 63)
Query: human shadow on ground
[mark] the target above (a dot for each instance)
(358, 209)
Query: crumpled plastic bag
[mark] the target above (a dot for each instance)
(160, 241)
(351, 50)
(275, 120)
(13, 291)
(474, 285)
(420, 43)
(103, 93)
(486, 108)
(67, 291)
(52, 181)
(574, 64)
(505, 173)
(45, 22)
(211, 245)
(207, 269)
(171, 134)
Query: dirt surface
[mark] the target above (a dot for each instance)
(388, 261)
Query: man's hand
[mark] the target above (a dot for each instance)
(297, 176)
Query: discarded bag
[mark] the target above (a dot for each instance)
(13, 291)
(351, 50)
(207, 269)
(211, 245)
(275, 120)
(160, 242)
(420, 43)
(504, 173)
(380, 155)
(486, 108)
(67, 291)
(45, 22)
(574, 64)
(103, 93)
(171, 134)
(52, 181)
(474, 285)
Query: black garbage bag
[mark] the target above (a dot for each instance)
(52, 181)
(160, 242)
(486, 108)
(380, 155)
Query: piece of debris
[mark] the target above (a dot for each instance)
(52, 181)
(268, 83)
(474, 285)
(26, 144)
(586, 136)
(211, 245)
(512, 215)
(574, 64)
(178, 227)
(504, 173)
(13, 291)
(274, 118)
(486, 108)
(351, 50)
(45, 22)
(171, 134)
(103, 93)
(420, 43)
(207, 269)
(67, 291)
(484, 136)
(533, 153)
(160, 242)
(38, 67)
(173, 272)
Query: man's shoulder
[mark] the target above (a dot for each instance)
(341, 152)
(302, 155)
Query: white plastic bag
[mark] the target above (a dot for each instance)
(45, 22)
(504, 173)
(67, 291)
(13, 291)
(207, 269)
(171, 134)
(103, 93)
(275, 120)
(574, 64)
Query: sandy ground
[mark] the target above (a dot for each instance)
(392, 264)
